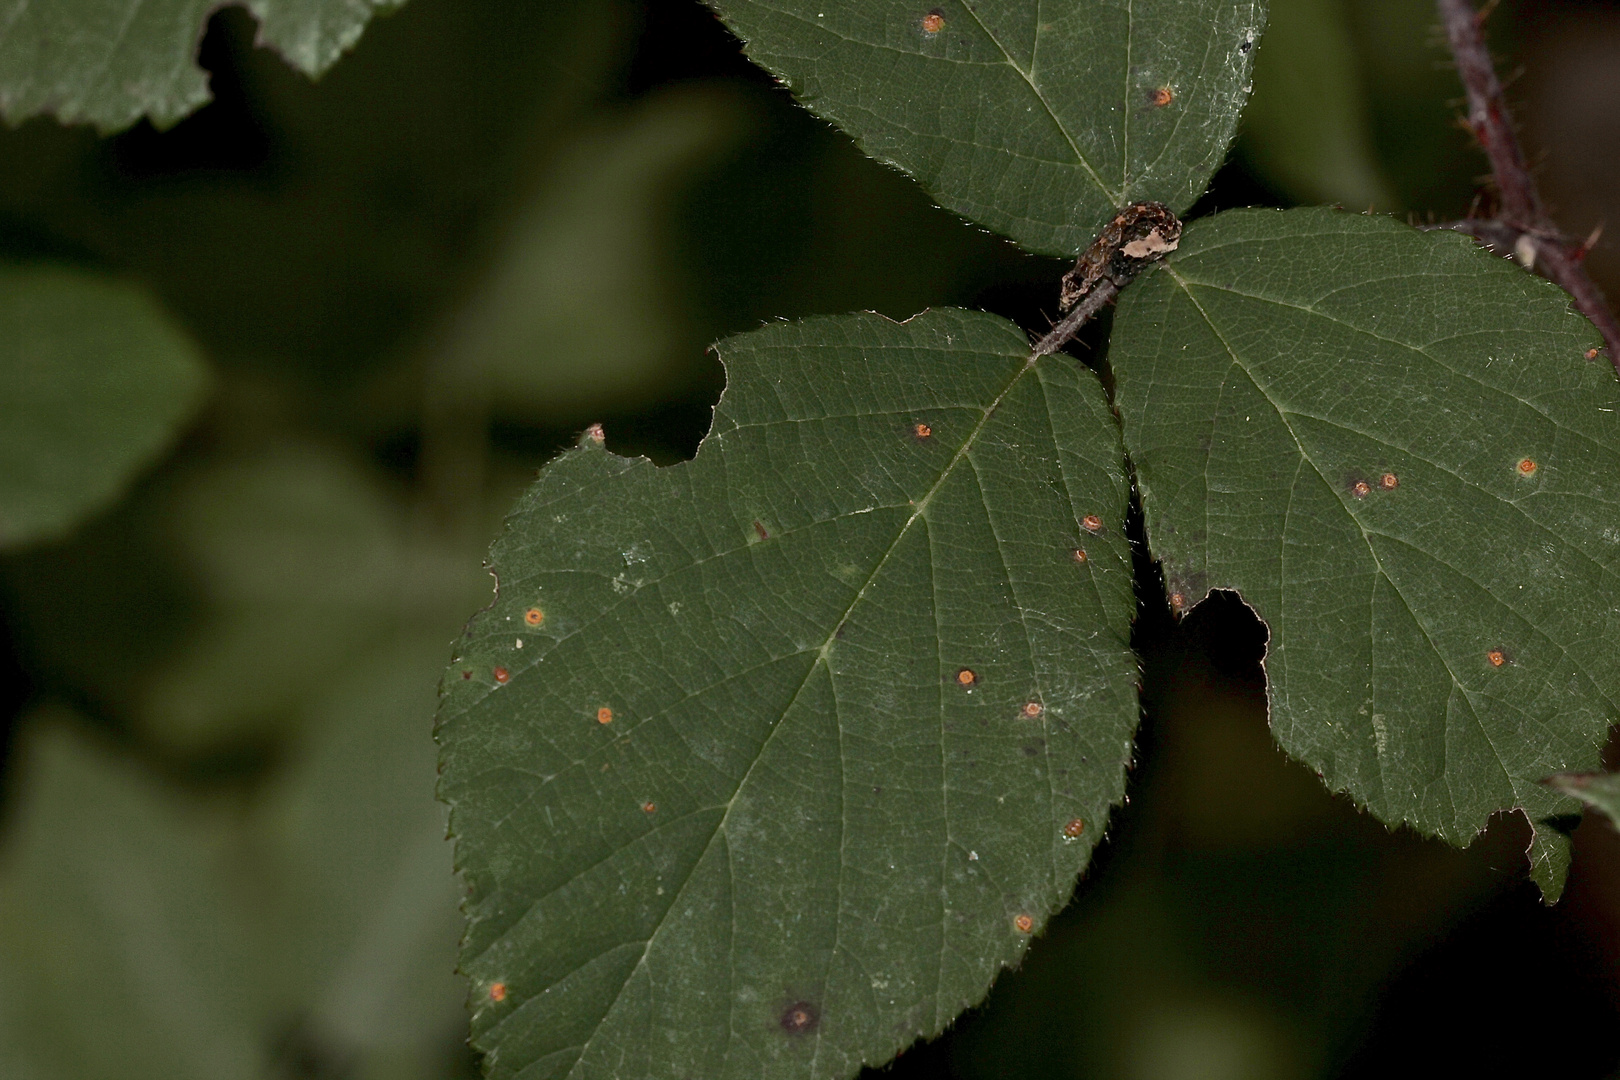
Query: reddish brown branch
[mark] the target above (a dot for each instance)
(1523, 216)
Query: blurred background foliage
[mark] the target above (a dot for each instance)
(404, 287)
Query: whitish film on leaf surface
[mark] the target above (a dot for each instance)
(95, 381)
(111, 62)
(765, 764)
(1396, 448)
(1037, 119)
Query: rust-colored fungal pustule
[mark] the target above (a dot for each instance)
(933, 22)
(604, 715)
(966, 676)
(922, 431)
(1389, 481)
(497, 991)
(1024, 923)
(501, 675)
(1527, 467)
(800, 1018)
(1497, 657)
(1032, 709)
(1091, 523)
(534, 616)
(1160, 96)
(1361, 489)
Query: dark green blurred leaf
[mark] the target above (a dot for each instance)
(95, 381)
(1335, 416)
(1600, 791)
(1038, 122)
(581, 309)
(125, 954)
(111, 62)
(147, 933)
(859, 684)
(1306, 130)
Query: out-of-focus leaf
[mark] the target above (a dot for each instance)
(765, 764)
(1305, 129)
(1599, 791)
(123, 951)
(149, 934)
(1036, 120)
(1394, 447)
(579, 310)
(95, 380)
(111, 62)
(297, 557)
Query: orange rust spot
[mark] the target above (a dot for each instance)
(649, 807)
(922, 431)
(1032, 709)
(1360, 489)
(596, 434)
(933, 22)
(1591, 354)
(1161, 96)
(1497, 657)
(1527, 467)
(760, 529)
(799, 1017)
(497, 991)
(501, 674)
(604, 715)
(967, 676)
(534, 616)
(1074, 828)
(1389, 481)
(1080, 555)
(1024, 923)
(1091, 523)
(1178, 601)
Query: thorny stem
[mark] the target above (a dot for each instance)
(1523, 216)
(1064, 332)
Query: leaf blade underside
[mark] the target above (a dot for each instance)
(1410, 475)
(802, 837)
(1038, 121)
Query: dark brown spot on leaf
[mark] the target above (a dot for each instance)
(466, 674)
(760, 529)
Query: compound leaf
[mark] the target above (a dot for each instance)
(95, 380)
(111, 62)
(764, 764)
(1397, 448)
(1036, 119)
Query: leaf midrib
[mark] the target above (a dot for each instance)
(821, 659)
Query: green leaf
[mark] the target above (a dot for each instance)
(1600, 791)
(1394, 446)
(111, 62)
(1037, 120)
(855, 681)
(95, 381)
